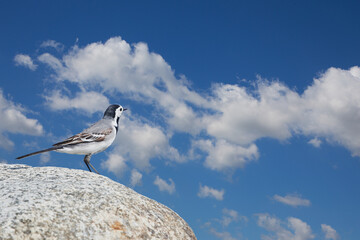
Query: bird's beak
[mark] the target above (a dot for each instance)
(125, 109)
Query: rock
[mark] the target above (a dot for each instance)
(60, 203)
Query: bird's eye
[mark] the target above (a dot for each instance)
(121, 109)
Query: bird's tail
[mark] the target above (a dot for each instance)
(38, 152)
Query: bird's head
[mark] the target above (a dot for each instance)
(114, 112)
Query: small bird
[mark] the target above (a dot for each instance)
(94, 139)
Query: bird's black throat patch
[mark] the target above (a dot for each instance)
(117, 124)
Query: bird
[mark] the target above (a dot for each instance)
(92, 140)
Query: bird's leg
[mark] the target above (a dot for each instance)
(88, 164)
(87, 161)
(94, 168)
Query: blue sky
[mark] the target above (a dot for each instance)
(243, 116)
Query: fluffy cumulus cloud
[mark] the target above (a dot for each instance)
(328, 109)
(25, 61)
(223, 155)
(86, 101)
(270, 111)
(293, 200)
(292, 229)
(140, 142)
(115, 164)
(225, 123)
(133, 71)
(206, 191)
(13, 120)
(332, 108)
(165, 186)
(329, 232)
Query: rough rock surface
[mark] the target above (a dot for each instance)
(60, 203)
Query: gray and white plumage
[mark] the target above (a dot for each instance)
(92, 140)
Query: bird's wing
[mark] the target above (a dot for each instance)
(85, 137)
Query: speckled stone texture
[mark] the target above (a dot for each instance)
(60, 203)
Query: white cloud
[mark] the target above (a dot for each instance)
(53, 63)
(230, 215)
(115, 164)
(164, 186)
(244, 117)
(205, 191)
(25, 61)
(223, 155)
(52, 44)
(86, 101)
(222, 235)
(139, 142)
(315, 142)
(292, 229)
(13, 120)
(135, 178)
(112, 64)
(301, 229)
(232, 116)
(293, 200)
(333, 108)
(328, 109)
(329, 232)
